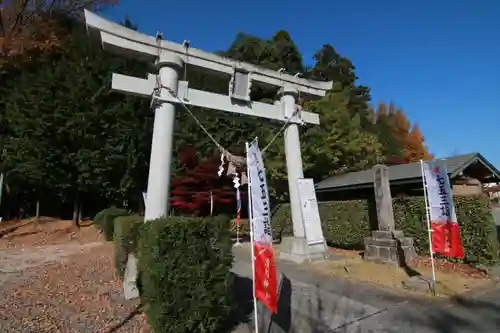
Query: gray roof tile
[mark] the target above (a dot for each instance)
(396, 173)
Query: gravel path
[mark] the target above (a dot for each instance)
(16, 260)
(63, 288)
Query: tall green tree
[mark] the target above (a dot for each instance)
(286, 53)
(331, 66)
(339, 144)
(385, 126)
(69, 135)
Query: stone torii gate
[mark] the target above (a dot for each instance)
(170, 59)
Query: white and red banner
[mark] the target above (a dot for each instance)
(265, 283)
(445, 231)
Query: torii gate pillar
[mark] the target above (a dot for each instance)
(160, 164)
(293, 157)
(295, 248)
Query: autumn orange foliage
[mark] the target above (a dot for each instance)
(26, 24)
(410, 137)
(415, 149)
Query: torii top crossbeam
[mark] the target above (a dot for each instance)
(117, 38)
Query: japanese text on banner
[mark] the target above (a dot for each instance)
(445, 230)
(265, 282)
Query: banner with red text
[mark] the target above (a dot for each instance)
(445, 231)
(265, 283)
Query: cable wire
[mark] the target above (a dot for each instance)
(159, 86)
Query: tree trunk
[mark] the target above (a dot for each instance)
(80, 210)
(37, 213)
(76, 209)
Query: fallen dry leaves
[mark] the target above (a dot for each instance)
(79, 294)
(452, 278)
(442, 265)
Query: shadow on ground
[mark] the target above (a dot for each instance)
(243, 316)
(464, 315)
(125, 320)
(285, 320)
(242, 307)
(456, 315)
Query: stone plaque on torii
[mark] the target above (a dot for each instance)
(167, 90)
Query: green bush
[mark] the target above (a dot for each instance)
(409, 215)
(479, 231)
(105, 220)
(184, 267)
(346, 223)
(126, 235)
(477, 227)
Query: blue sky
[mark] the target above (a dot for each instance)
(439, 60)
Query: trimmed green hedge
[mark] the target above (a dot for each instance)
(346, 223)
(184, 265)
(126, 236)
(105, 220)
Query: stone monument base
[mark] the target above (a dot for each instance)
(389, 247)
(298, 250)
(130, 290)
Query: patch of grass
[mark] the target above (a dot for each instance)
(352, 266)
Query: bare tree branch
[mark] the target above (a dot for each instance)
(20, 14)
(2, 27)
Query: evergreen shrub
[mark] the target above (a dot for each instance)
(346, 223)
(105, 220)
(184, 267)
(126, 236)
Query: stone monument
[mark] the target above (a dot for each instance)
(386, 245)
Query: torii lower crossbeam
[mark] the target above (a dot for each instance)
(188, 96)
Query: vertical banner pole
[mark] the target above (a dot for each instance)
(238, 207)
(429, 228)
(238, 233)
(238, 212)
(250, 218)
(211, 204)
(1, 186)
(1, 189)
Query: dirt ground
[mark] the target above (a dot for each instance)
(451, 278)
(47, 231)
(58, 278)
